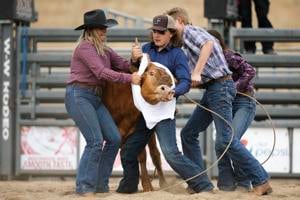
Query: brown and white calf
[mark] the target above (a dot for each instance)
(118, 100)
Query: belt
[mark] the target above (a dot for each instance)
(221, 79)
(95, 88)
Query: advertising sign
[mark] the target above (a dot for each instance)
(259, 142)
(296, 150)
(49, 148)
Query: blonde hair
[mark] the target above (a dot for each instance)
(181, 13)
(91, 35)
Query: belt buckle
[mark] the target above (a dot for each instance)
(98, 91)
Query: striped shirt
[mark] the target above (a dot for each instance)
(216, 66)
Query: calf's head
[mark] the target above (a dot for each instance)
(155, 84)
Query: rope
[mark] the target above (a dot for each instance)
(271, 122)
(232, 135)
(221, 156)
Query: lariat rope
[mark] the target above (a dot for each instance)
(232, 135)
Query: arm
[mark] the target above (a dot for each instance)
(205, 52)
(98, 65)
(243, 72)
(118, 62)
(182, 74)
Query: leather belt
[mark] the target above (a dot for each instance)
(95, 88)
(223, 78)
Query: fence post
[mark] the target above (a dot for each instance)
(7, 102)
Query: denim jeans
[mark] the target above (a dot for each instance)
(96, 125)
(219, 97)
(243, 109)
(166, 134)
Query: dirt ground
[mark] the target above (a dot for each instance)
(54, 189)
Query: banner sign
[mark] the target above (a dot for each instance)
(49, 148)
(296, 150)
(259, 142)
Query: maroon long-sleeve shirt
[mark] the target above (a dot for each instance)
(90, 68)
(242, 72)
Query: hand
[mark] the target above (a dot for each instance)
(168, 97)
(136, 52)
(196, 79)
(136, 79)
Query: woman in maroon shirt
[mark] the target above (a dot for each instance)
(243, 110)
(92, 63)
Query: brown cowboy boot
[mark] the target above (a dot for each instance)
(263, 189)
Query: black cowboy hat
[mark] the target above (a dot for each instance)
(96, 19)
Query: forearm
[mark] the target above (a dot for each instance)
(203, 57)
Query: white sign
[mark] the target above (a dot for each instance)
(296, 151)
(259, 142)
(6, 115)
(48, 148)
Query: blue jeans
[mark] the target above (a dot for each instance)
(218, 97)
(166, 134)
(96, 125)
(243, 109)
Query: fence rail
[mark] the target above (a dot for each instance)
(239, 35)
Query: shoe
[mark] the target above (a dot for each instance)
(127, 187)
(126, 191)
(103, 189)
(89, 195)
(226, 188)
(270, 52)
(190, 190)
(212, 191)
(263, 189)
(249, 51)
(244, 188)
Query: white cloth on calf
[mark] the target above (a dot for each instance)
(153, 113)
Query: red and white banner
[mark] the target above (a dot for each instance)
(49, 148)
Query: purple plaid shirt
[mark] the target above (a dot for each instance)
(242, 72)
(90, 68)
(216, 66)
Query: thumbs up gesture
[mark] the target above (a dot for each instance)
(136, 52)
